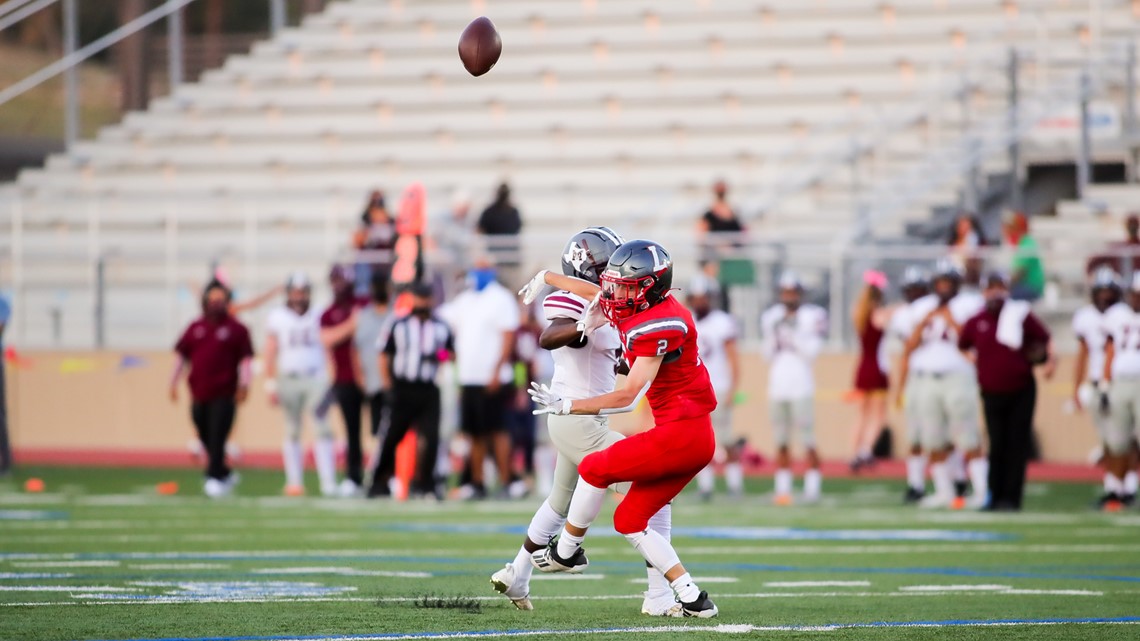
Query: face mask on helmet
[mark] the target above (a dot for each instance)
(1105, 297)
(624, 297)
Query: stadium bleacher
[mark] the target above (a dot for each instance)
(624, 111)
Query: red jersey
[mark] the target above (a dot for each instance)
(214, 351)
(682, 389)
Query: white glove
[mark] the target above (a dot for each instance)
(593, 318)
(531, 290)
(548, 401)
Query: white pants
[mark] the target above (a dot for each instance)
(575, 437)
(298, 396)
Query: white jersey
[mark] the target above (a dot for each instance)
(938, 351)
(587, 371)
(299, 350)
(1123, 326)
(790, 343)
(1089, 325)
(713, 331)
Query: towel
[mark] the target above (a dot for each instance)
(1011, 323)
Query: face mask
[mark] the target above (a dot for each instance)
(422, 312)
(216, 309)
(701, 310)
(480, 278)
(994, 301)
(945, 297)
(299, 306)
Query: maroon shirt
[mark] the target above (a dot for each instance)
(337, 313)
(1001, 370)
(214, 351)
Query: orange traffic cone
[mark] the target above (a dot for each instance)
(406, 464)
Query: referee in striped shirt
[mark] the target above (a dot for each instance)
(410, 355)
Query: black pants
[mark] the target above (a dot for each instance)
(350, 399)
(412, 404)
(214, 419)
(1009, 421)
(376, 413)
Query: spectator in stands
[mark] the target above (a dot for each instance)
(1122, 256)
(453, 240)
(376, 233)
(502, 222)
(483, 319)
(216, 351)
(5, 447)
(338, 325)
(870, 317)
(722, 234)
(966, 237)
(1008, 341)
(1027, 273)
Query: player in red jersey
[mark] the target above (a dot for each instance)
(660, 342)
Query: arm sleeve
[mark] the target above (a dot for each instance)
(656, 337)
(387, 340)
(184, 345)
(564, 305)
(246, 346)
(1035, 330)
(966, 337)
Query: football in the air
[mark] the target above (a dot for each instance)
(480, 46)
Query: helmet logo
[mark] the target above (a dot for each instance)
(576, 256)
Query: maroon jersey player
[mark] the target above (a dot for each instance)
(659, 339)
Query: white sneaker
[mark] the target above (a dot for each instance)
(348, 489)
(935, 501)
(665, 605)
(503, 582)
(216, 489)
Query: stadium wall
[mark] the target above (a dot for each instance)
(113, 408)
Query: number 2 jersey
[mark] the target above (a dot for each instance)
(1123, 325)
(682, 389)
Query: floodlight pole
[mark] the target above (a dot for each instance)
(71, 74)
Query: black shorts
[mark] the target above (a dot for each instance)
(481, 412)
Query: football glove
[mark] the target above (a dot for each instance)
(593, 318)
(548, 402)
(531, 290)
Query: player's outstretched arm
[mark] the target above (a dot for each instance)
(622, 400)
(561, 332)
(576, 286)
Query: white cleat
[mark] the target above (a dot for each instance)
(216, 489)
(665, 605)
(504, 580)
(348, 489)
(976, 502)
(936, 502)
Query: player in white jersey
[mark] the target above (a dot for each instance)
(1121, 380)
(792, 337)
(716, 343)
(296, 380)
(946, 387)
(915, 285)
(583, 368)
(1092, 335)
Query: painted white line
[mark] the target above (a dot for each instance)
(995, 548)
(817, 584)
(34, 575)
(65, 564)
(179, 566)
(955, 588)
(1054, 592)
(542, 576)
(701, 580)
(341, 571)
(64, 588)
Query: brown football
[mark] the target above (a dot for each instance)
(480, 46)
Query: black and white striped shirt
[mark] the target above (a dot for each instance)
(415, 347)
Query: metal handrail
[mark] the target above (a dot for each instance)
(20, 13)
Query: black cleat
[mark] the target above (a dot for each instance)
(913, 496)
(547, 560)
(1128, 500)
(961, 488)
(702, 607)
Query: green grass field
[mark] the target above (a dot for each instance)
(100, 555)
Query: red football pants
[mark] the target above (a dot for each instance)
(659, 463)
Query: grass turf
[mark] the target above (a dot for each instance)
(100, 555)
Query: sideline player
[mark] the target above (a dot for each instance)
(295, 380)
(792, 336)
(1122, 382)
(584, 367)
(946, 386)
(716, 343)
(915, 285)
(660, 342)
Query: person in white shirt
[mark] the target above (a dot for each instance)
(484, 318)
(792, 337)
(716, 342)
(915, 285)
(1121, 381)
(946, 386)
(296, 380)
(1092, 335)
